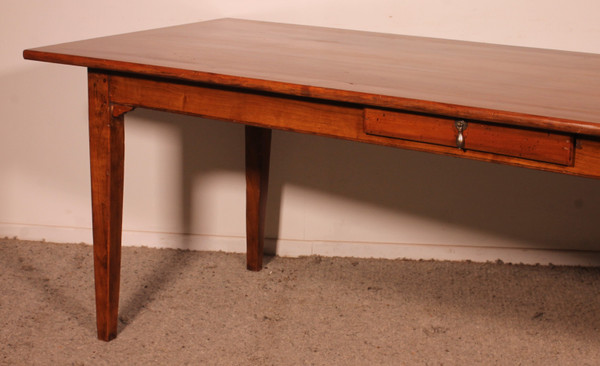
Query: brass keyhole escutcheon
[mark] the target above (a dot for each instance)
(461, 125)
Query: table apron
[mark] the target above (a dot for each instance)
(311, 116)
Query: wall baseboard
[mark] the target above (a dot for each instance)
(297, 248)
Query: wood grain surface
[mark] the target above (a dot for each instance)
(520, 86)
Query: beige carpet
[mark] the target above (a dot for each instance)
(201, 308)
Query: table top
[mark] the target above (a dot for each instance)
(557, 90)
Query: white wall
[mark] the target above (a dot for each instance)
(185, 175)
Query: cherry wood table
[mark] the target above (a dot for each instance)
(527, 107)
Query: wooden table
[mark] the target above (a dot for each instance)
(527, 107)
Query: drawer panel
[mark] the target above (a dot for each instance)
(551, 147)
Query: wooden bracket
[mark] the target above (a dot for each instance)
(117, 110)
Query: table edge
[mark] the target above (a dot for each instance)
(322, 93)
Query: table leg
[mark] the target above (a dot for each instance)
(106, 163)
(258, 151)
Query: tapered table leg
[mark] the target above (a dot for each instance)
(106, 163)
(258, 151)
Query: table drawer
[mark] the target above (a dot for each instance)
(518, 142)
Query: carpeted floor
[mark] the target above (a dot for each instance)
(204, 308)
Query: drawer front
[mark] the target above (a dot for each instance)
(550, 147)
